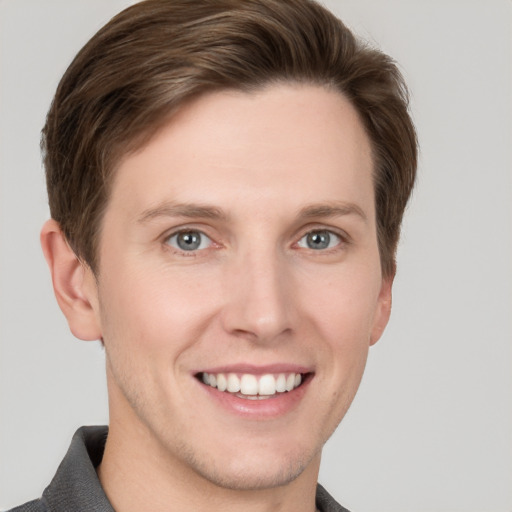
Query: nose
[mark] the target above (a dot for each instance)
(259, 302)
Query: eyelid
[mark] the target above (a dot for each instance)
(183, 228)
(186, 229)
(338, 240)
(341, 233)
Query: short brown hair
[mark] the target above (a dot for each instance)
(140, 67)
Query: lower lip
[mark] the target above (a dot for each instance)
(273, 407)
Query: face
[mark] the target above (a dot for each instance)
(239, 283)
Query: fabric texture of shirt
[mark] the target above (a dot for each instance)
(76, 487)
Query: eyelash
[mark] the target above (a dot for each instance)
(191, 231)
(342, 241)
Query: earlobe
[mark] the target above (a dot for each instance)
(383, 311)
(73, 283)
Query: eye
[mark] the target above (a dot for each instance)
(320, 239)
(189, 240)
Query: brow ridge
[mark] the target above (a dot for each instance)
(193, 210)
(332, 209)
(189, 210)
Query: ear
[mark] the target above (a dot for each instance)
(74, 283)
(383, 310)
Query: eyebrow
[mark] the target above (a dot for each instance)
(171, 209)
(191, 210)
(329, 210)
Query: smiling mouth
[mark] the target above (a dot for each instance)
(253, 387)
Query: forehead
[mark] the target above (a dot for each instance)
(298, 142)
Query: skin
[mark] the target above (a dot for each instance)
(272, 166)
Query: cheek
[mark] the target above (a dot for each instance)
(343, 308)
(153, 310)
(343, 316)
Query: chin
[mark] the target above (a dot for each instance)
(252, 475)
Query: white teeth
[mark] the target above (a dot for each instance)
(290, 382)
(233, 383)
(252, 386)
(267, 385)
(222, 383)
(281, 383)
(249, 384)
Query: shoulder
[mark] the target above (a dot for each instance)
(326, 503)
(75, 485)
(31, 506)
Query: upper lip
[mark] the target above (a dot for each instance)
(257, 369)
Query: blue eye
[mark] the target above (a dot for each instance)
(189, 240)
(319, 240)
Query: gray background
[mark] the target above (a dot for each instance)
(431, 428)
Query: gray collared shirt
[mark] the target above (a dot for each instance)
(76, 487)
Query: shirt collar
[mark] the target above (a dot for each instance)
(76, 485)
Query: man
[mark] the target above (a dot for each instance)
(226, 183)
